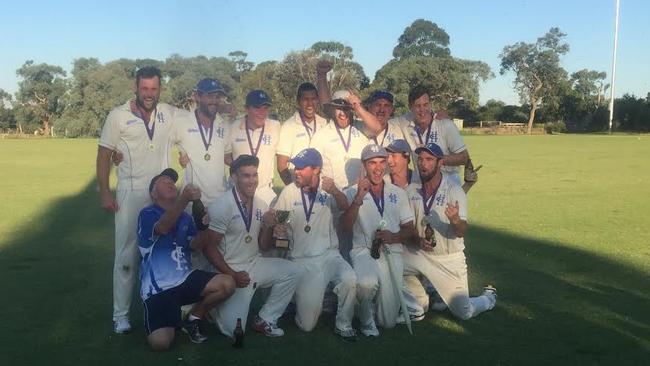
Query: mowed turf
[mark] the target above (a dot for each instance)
(557, 223)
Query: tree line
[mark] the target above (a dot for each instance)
(50, 101)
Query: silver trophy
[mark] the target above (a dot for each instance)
(282, 242)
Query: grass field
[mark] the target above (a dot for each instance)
(559, 224)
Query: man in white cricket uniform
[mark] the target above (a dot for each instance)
(440, 208)
(420, 128)
(297, 131)
(378, 214)
(139, 131)
(399, 158)
(313, 202)
(256, 135)
(240, 223)
(380, 104)
(201, 136)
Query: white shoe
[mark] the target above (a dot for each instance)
(267, 328)
(122, 325)
(491, 293)
(370, 330)
(414, 318)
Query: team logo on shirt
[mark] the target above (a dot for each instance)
(131, 121)
(258, 215)
(266, 139)
(192, 130)
(390, 137)
(179, 257)
(161, 117)
(355, 132)
(322, 198)
(392, 198)
(220, 132)
(440, 199)
(239, 139)
(433, 137)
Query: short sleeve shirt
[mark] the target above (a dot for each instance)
(295, 137)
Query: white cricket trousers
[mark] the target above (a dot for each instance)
(375, 287)
(317, 273)
(448, 274)
(279, 274)
(127, 255)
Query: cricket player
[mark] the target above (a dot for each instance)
(421, 127)
(241, 223)
(380, 104)
(378, 214)
(440, 212)
(139, 130)
(399, 158)
(313, 202)
(257, 135)
(201, 136)
(297, 132)
(166, 235)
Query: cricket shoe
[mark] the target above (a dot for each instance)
(267, 328)
(414, 315)
(122, 325)
(193, 330)
(491, 293)
(370, 330)
(348, 334)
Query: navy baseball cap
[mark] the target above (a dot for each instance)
(257, 98)
(432, 149)
(380, 94)
(373, 151)
(307, 157)
(399, 146)
(169, 172)
(209, 85)
(244, 160)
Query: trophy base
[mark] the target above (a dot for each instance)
(282, 243)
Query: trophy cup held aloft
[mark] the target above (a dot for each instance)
(282, 241)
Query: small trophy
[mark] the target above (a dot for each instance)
(282, 217)
(430, 235)
(376, 243)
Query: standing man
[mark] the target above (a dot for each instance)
(139, 130)
(297, 132)
(166, 236)
(313, 202)
(380, 104)
(256, 135)
(399, 157)
(420, 128)
(201, 135)
(378, 214)
(440, 208)
(241, 223)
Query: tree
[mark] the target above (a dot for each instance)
(537, 68)
(7, 118)
(38, 100)
(590, 84)
(422, 38)
(239, 58)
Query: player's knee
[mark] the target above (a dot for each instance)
(160, 341)
(306, 322)
(348, 280)
(461, 312)
(367, 287)
(227, 285)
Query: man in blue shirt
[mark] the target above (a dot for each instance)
(166, 236)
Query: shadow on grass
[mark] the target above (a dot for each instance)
(556, 305)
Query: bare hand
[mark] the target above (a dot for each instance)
(426, 245)
(108, 202)
(385, 236)
(323, 67)
(354, 99)
(268, 219)
(328, 185)
(183, 159)
(280, 231)
(242, 279)
(363, 187)
(118, 157)
(191, 193)
(452, 212)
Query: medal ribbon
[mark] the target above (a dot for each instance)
(383, 139)
(310, 133)
(311, 196)
(417, 131)
(428, 202)
(346, 146)
(150, 131)
(250, 142)
(247, 218)
(379, 201)
(206, 143)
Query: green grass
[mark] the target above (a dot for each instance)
(558, 224)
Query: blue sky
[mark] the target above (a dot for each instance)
(57, 32)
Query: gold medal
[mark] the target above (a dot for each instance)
(206, 157)
(346, 157)
(307, 228)
(151, 147)
(423, 222)
(248, 239)
(383, 224)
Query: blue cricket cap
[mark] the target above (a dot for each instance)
(257, 98)
(169, 172)
(432, 149)
(373, 151)
(209, 85)
(380, 94)
(399, 146)
(307, 157)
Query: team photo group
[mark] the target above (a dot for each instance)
(369, 223)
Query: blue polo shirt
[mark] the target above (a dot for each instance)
(166, 259)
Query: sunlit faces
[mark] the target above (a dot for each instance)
(257, 115)
(382, 109)
(375, 168)
(428, 165)
(308, 103)
(421, 109)
(164, 189)
(306, 176)
(343, 117)
(209, 103)
(397, 162)
(246, 180)
(148, 93)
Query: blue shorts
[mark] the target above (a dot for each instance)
(163, 309)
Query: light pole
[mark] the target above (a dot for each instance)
(611, 90)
